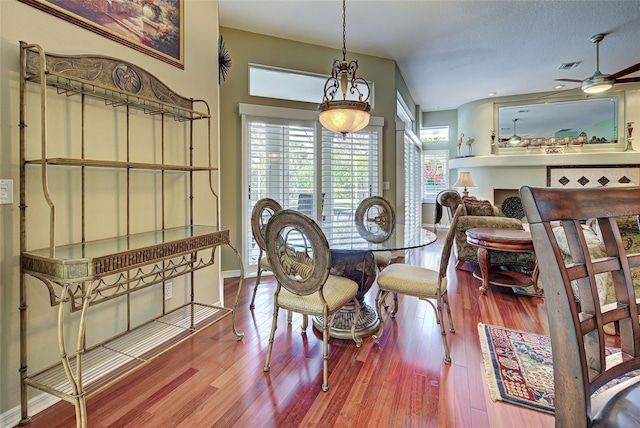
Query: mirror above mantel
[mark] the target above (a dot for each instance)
(581, 124)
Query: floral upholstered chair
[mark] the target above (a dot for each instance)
(480, 213)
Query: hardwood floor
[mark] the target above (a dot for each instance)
(212, 380)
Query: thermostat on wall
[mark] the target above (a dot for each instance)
(6, 191)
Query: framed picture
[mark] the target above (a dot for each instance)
(154, 27)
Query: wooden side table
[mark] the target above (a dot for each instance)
(512, 240)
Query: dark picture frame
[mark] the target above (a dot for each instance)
(154, 27)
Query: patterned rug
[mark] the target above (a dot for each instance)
(519, 367)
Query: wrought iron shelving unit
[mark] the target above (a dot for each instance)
(86, 273)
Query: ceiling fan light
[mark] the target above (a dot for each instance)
(596, 87)
(597, 83)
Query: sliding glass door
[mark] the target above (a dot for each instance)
(309, 169)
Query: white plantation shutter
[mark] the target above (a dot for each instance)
(289, 157)
(280, 165)
(412, 185)
(436, 173)
(350, 172)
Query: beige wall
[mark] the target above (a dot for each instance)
(198, 79)
(246, 48)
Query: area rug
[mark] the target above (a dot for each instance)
(519, 367)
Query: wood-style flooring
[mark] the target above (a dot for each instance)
(213, 380)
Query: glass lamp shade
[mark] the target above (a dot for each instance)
(597, 83)
(344, 116)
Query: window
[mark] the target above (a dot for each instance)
(280, 165)
(294, 85)
(434, 134)
(350, 173)
(436, 165)
(403, 113)
(412, 184)
(293, 160)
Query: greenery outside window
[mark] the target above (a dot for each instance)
(434, 134)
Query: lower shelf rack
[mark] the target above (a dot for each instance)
(111, 361)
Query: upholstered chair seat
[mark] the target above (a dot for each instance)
(300, 259)
(425, 284)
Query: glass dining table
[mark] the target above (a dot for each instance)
(352, 249)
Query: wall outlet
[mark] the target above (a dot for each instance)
(168, 290)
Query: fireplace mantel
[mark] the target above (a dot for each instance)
(507, 172)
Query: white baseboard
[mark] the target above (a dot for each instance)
(231, 274)
(40, 402)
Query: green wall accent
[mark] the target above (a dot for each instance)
(245, 48)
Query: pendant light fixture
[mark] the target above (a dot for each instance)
(345, 115)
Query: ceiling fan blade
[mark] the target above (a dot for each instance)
(626, 71)
(568, 80)
(556, 93)
(628, 80)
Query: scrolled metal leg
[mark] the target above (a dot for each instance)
(305, 322)
(445, 345)
(325, 352)
(395, 305)
(274, 327)
(445, 298)
(356, 339)
(255, 287)
(239, 336)
(382, 294)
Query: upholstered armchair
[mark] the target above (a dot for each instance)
(478, 213)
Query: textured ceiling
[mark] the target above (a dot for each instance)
(452, 52)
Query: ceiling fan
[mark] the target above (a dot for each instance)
(599, 82)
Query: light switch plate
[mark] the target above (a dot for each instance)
(6, 191)
(386, 185)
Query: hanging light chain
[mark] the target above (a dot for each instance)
(344, 30)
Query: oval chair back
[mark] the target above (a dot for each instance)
(260, 215)
(300, 259)
(298, 252)
(375, 219)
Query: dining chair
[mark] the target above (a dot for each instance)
(581, 364)
(300, 259)
(420, 282)
(260, 215)
(375, 221)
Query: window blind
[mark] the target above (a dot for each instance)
(412, 187)
(350, 172)
(280, 165)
